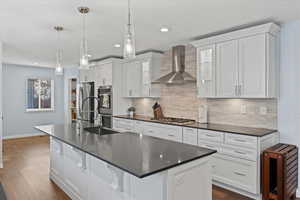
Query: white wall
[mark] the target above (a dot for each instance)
(289, 102)
(18, 122)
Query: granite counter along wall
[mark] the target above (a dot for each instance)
(182, 101)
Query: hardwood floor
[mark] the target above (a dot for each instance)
(25, 175)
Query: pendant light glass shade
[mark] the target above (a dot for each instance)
(58, 69)
(129, 37)
(84, 57)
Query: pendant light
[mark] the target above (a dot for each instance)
(84, 57)
(129, 40)
(59, 69)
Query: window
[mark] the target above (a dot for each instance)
(40, 95)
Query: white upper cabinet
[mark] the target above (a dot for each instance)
(103, 74)
(139, 74)
(239, 64)
(227, 69)
(206, 71)
(252, 66)
(132, 72)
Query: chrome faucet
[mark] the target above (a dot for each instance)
(82, 106)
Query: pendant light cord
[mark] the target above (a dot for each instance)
(129, 13)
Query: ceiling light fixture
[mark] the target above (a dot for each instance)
(84, 56)
(59, 69)
(117, 45)
(129, 39)
(164, 30)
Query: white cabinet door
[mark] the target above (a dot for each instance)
(133, 79)
(206, 80)
(146, 78)
(105, 181)
(75, 172)
(98, 76)
(252, 66)
(56, 158)
(227, 69)
(190, 136)
(106, 77)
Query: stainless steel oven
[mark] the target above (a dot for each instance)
(105, 100)
(106, 121)
(105, 105)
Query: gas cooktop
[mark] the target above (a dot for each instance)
(175, 120)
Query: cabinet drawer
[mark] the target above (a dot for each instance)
(241, 140)
(139, 127)
(209, 145)
(153, 130)
(173, 133)
(248, 154)
(123, 125)
(211, 136)
(190, 136)
(238, 173)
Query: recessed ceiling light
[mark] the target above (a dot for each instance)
(117, 45)
(35, 63)
(164, 30)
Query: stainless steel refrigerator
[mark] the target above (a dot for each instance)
(86, 106)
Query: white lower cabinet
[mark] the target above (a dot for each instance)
(88, 178)
(190, 136)
(57, 160)
(236, 166)
(105, 181)
(123, 125)
(75, 172)
(235, 172)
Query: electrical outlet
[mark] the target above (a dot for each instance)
(243, 109)
(263, 110)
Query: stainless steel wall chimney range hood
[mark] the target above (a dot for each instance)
(178, 74)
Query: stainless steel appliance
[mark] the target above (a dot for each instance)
(105, 105)
(85, 104)
(178, 75)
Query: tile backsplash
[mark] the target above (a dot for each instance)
(182, 101)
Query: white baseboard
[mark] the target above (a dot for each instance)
(23, 135)
(298, 193)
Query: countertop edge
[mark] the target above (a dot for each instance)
(189, 126)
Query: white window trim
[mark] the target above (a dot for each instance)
(52, 97)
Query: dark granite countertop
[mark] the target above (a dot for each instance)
(257, 132)
(136, 154)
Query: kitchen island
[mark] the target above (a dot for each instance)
(126, 166)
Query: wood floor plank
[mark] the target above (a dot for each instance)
(25, 175)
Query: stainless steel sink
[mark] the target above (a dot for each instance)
(100, 130)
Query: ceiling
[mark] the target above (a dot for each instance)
(26, 27)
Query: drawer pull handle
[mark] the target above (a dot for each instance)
(240, 152)
(239, 140)
(171, 135)
(210, 135)
(239, 174)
